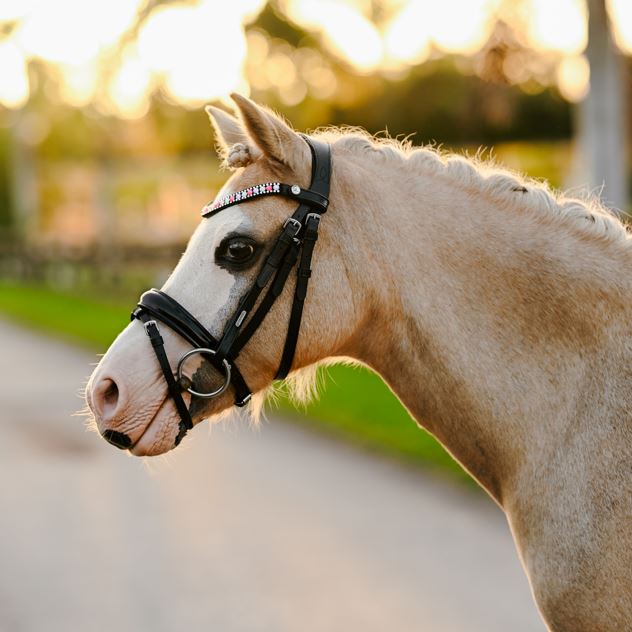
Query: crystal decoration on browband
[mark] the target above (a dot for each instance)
(267, 188)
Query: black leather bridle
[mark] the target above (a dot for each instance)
(295, 244)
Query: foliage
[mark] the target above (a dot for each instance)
(448, 98)
(5, 177)
(439, 104)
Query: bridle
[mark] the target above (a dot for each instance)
(295, 244)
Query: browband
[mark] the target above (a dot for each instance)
(312, 198)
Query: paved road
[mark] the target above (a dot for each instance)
(239, 530)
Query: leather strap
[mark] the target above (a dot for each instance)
(310, 197)
(321, 167)
(294, 232)
(303, 274)
(321, 177)
(272, 263)
(158, 344)
(268, 301)
(160, 306)
(299, 235)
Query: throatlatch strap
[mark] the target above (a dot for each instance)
(303, 274)
(321, 177)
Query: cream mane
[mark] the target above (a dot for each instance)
(584, 214)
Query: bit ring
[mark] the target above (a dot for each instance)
(225, 365)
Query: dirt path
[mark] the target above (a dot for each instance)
(272, 530)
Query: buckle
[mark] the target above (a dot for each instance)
(295, 222)
(148, 325)
(316, 216)
(244, 401)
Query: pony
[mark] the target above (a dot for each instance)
(498, 311)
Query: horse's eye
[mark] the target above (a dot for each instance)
(237, 251)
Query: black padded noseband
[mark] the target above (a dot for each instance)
(294, 247)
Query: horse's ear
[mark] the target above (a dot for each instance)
(276, 139)
(229, 131)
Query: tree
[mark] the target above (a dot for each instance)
(601, 116)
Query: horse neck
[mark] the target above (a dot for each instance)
(489, 324)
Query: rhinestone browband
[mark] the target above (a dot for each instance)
(267, 188)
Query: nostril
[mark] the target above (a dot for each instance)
(119, 439)
(110, 395)
(106, 399)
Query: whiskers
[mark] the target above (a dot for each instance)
(90, 422)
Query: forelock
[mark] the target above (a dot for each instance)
(238, 155)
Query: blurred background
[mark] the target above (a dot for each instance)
(106, 153)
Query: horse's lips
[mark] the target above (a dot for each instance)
(203, 379)
(148, 445)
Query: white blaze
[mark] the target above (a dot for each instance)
(197, 282)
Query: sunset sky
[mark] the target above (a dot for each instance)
(197, 51)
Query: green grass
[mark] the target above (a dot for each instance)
(89, 322)
(354, 403)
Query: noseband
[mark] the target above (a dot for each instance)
(294, 245)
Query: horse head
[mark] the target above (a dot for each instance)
(127, 394)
